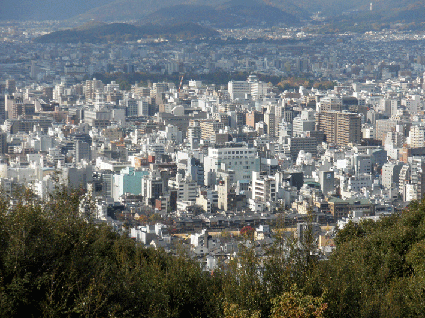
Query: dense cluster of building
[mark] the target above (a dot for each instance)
(216, 157)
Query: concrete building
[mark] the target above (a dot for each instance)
(330, 103)
(340, 128)
(390, 174)
(237, 157)
(186, 188)
(264, 188)
(296, 144)
(327, 182)
(238, 89)
(269, 120)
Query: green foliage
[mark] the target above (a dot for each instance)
(377, 268)
(295, 304)
(234, 311)
(243, 286)
(55, 263)
(119, 32)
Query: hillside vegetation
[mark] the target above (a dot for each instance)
(54, 263)
(119, 32)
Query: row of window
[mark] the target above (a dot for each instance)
(233, 152)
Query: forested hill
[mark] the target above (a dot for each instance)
(250, 12)
(119, 32)
(56, 263)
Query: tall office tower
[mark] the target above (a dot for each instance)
(383, 126)
(303, 123)
(391, 174)
(159, 89)
(412, 180)
(143, 108)
(327, 182)
(186, 188)
(418, 176)
(340, 128)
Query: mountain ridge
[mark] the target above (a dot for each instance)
(142, 11)
(120, 32)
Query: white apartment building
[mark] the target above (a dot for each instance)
(390, 174)
(263, 187)
(237, 157)
(417, 136)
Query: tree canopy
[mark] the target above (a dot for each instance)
(55, 262)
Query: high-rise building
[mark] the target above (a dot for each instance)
(3, 142)
(417, 136)
(269, 119)
(300, 126)
(132, 107)
(383, 126)
(91, 87)
(2, 110)
(82, 151)
(327, 182)
(340, 128)
(194, 135)
(10, 86)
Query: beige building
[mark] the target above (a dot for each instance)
(340, 128)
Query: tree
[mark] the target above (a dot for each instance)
(247, 232)
(54, 262)
(295, 304)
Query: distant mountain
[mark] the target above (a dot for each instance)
(384, 14)
(119, 32)
(227, 15)
(333, 8)
(122, 10)
(222, 13)
(217, 12)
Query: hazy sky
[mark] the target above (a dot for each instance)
(46, 9)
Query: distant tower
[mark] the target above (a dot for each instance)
(371, 6)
